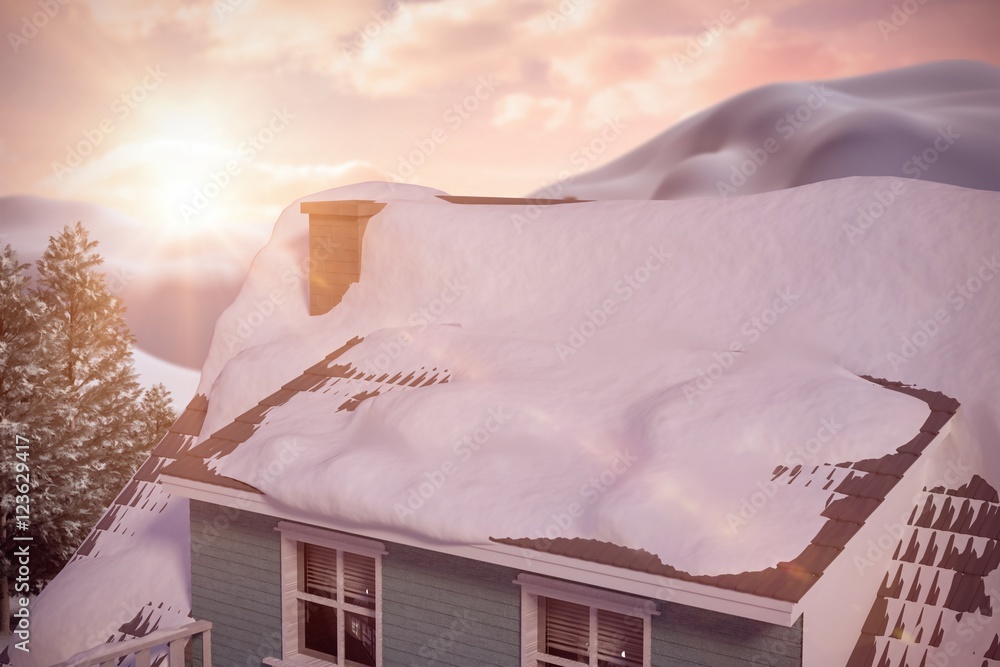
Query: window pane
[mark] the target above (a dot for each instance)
(359, 640)
(318, 628)
(321, 571)
(565, 629)
(619, 640)
(359, 580)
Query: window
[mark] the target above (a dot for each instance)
(331, 598)
(568, 625)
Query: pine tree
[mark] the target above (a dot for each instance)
(68, 386)
(157, 416)
(92, 359)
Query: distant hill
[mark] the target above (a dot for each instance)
(937, 121)
(174, 287)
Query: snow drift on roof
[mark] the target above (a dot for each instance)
(689, 348)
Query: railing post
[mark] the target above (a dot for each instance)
(206, 648)
(176, 653)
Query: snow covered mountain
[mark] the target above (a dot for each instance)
(936, 121)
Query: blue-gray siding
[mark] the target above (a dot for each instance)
(236, 583)
(436, 609)
(685, 636)
(444, 610)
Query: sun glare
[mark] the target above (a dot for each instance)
(189, 188)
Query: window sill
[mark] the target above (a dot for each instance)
(298, 661)
(305, 661)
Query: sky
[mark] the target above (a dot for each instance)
(194, 115)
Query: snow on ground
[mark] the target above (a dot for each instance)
(182, 382)
(700, 343)
(97, 596)
(935, 121)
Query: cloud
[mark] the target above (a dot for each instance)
(136, 19)
(367, 79)
(326, 175)
(551, 112)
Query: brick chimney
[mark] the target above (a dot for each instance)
(336, 229)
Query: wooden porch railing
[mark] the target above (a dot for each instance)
(107, 655)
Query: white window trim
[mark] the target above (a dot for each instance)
(533, 587)
(292, 534)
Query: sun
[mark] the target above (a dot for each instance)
(188, 179)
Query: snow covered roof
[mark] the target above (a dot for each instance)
(933, 605)
(488, 302)
(341, 381)
(856, 487)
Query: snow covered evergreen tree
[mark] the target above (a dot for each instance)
(91, 357)
(157, 416)
(69, 389)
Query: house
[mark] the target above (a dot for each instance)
(286, 586)
(402, 468)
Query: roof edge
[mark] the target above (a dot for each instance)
(655, 587)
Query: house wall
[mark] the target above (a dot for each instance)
(437, 609)
(445, 610)
(686, 636)
(236, 583)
